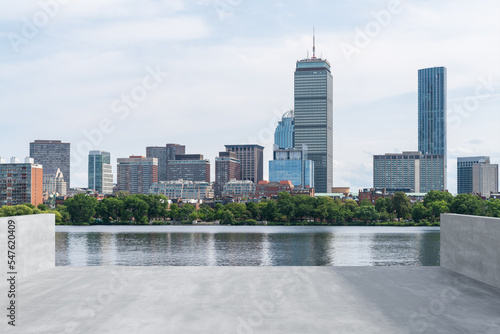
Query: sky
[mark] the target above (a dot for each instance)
(120, 75)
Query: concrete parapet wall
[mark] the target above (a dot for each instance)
(470, 245)
(34, 247)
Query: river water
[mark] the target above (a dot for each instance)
(247, 246)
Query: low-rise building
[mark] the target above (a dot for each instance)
(239, 189)
(266, 189)
(53, 182)
(182, 189)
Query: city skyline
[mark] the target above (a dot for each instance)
(54, 88)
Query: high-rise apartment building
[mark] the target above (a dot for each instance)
(485, 179)
(188, 167)
(21, 182)
(136, 174)
(100, 172)
(464, 172)
(432, 110)
(313, 113)
(284, 135)
(227, 168)
(411, 171)
(52, 154)
(164, 154)
(252, 161)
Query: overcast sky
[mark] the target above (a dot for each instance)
(120, 75)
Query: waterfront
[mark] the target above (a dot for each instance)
(247, 246)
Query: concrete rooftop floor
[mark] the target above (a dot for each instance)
(117, 299)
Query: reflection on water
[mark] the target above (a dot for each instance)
(246, 246)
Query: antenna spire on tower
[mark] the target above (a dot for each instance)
(314, 45)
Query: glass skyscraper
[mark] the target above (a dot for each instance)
(432, 110)
(313, 111)
(464, 172)
(284, 134)
(100, 172)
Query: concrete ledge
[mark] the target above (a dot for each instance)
(470, 245)
(34, 237)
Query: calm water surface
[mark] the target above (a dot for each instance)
(247, 246)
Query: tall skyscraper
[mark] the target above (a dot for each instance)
(313, 111)
(188, 167)
(284, 135)
(136, 174)
(485, 179)
(252, 161)
(464, 172)
(432, 110)
(52, 154)
(164, 154)
(100, 172)
(227, 168)
(21, 182)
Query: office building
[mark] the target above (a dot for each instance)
(53, 182)
(100, 172)
(21, 182)
(284, 135)
(412, 171)
(164, 154)
(136, 174)
(227, 168)
(188, 167)
(53, 154)
(464, 172)
(239, 189)
(292, 165)
(485, 179)
(432, 110)
(313, 116)
(182, 189)
(252, 161)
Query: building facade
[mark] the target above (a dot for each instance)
(464, 172)
(52, 154)
(284, 135)
(413, 171)
(252, 161)
(53, 182)
(266, 189)
(485, 179)
(313, 117)
(21, 182)
(164, 154)
(189, 167)
(136, 174)
(227, 168)
(181, 189)
(100, 172)
(239, 189)
(292, 165)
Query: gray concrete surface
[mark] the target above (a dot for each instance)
(255, 300)
(470, 245)
(34, 244)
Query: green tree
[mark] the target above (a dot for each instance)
(367, 213)
(435, 196)
(174, 211)
(466, 204)
(81, 208)
(239, 210)
(185, 211)
(42, 207)
(401, 204)
(351, 205)
(227, 217)
(110, 208)
(383, 205)
(365, 202)
(138, 208)
(493, 207)
(285, 205)
(253, 209)
(437, 208)
(419, 212)
(269, 210)
(64, 213)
